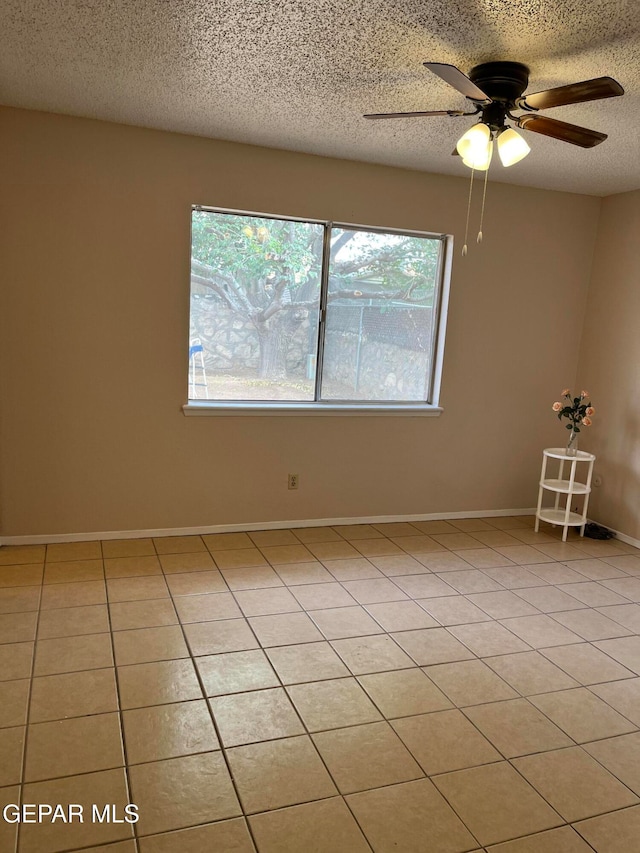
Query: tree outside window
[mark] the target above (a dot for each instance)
(283, 309)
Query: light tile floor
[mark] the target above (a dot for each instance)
(437, 687)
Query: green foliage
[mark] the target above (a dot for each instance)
(257, 254)
(393, 264)
(274, 262)
(575, 411)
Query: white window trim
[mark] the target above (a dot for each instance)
(268, 408)
(206, 408)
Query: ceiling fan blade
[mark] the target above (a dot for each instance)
(410, 115)
(581, 136)
(575, 93)
(454, 77)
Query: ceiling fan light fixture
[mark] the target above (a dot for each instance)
(474, 144)
(511, 147)
(479, 158)
(480, 164)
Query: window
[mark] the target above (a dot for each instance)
(291, 313)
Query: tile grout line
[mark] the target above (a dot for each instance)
(383, 633)
(213, 719)
(309, 735)
(305, 729)
(384, 719)
(23, 763)
(128, 788)
(455, 591)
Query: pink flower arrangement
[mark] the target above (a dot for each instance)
(575, 409)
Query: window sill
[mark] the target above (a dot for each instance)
(207, 409)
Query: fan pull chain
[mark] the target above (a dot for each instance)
(484, 195)
(466, 227)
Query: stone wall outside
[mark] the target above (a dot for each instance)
(358, 341)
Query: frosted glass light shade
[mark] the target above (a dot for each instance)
(481, 160)
(475, 147)
(511, 147)
(474, 140)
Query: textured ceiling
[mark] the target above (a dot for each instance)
(299, 74)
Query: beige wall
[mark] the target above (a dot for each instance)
(94, 327)
(610, 363)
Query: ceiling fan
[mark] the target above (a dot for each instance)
(495, 89)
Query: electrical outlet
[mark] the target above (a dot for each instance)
(293, 481)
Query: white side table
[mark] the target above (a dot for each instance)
(560, 485)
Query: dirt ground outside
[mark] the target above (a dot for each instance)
(250, 388)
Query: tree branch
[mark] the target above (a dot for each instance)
(341, 241)
(276, 303)
(206, 271)
(373, 262)
(223, 285)
(372, 294)
(238, 305)
(272, 309)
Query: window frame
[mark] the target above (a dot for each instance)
(430, 408)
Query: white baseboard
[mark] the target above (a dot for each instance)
(624, 538)
(260, 525)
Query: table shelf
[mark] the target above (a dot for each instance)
(557, 516)
(565, 487)
(561, 453)
(563, 516)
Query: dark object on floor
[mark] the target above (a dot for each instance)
(596, 531)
